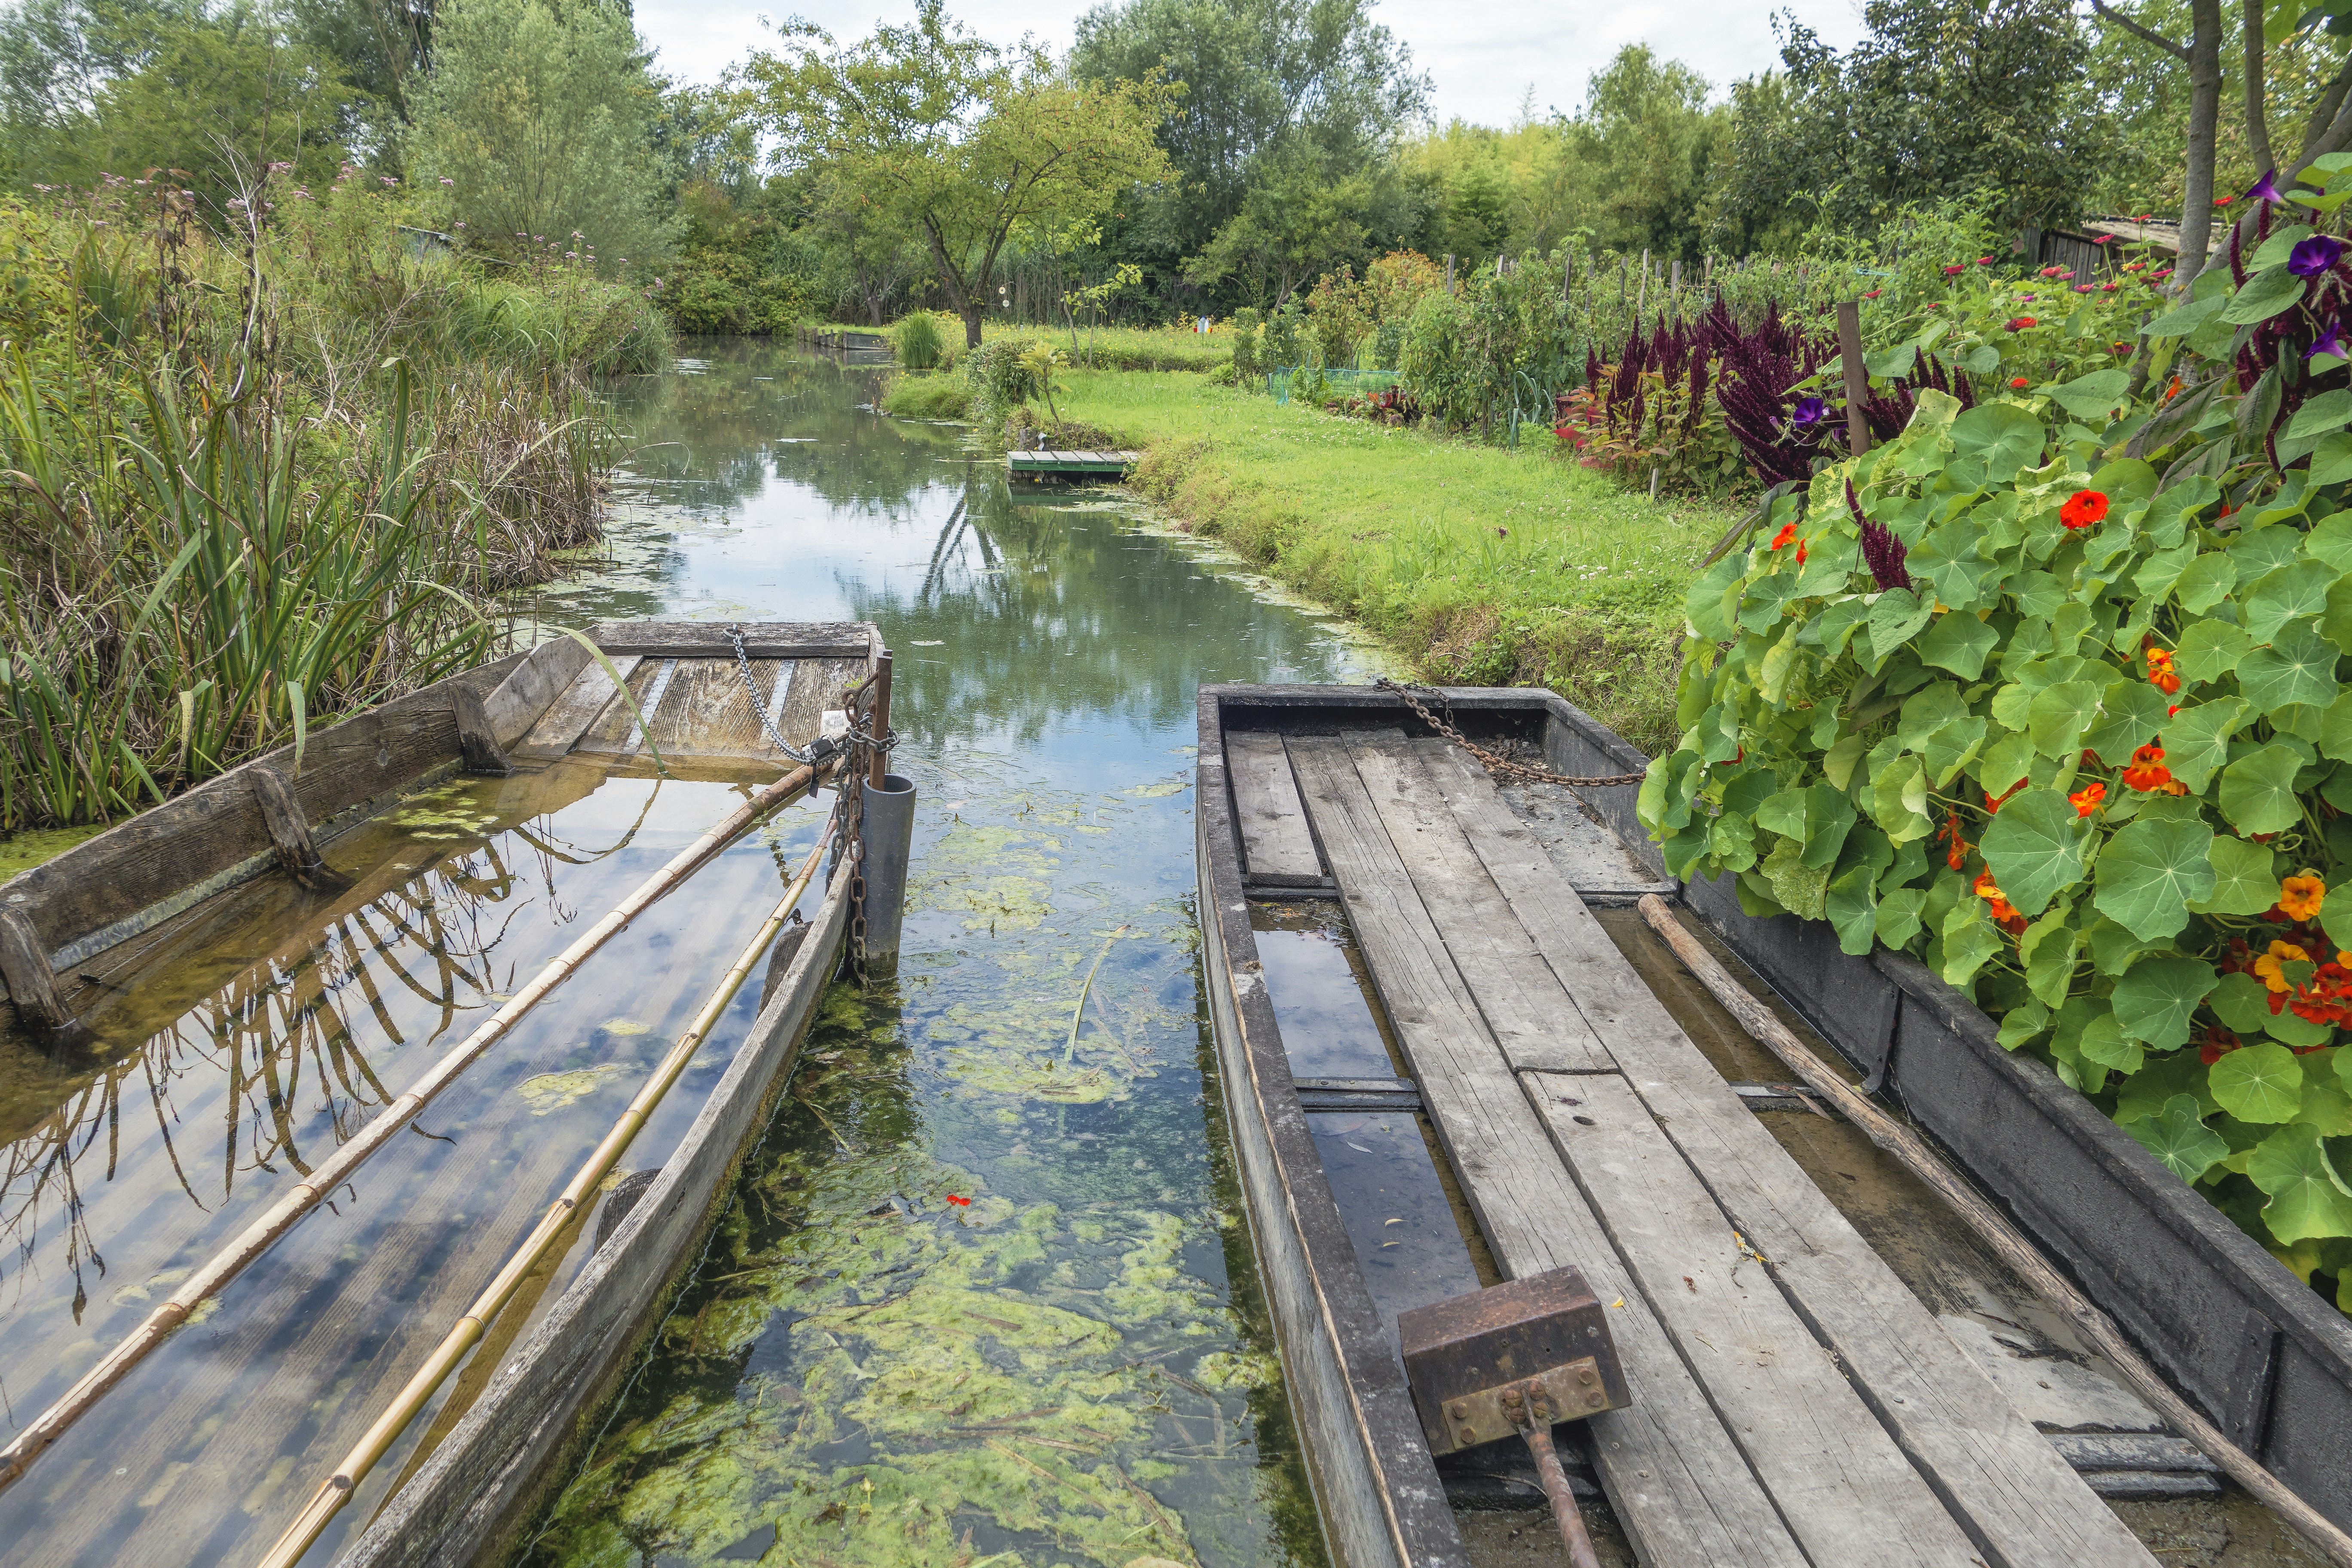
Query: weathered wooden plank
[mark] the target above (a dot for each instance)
(1275, 844)
(477, 743)
(1678, 1483)
(579, 705)
(1532, 1015)
(2023, 1503)
(707, 713)
(817, 685)
(709, 639)
(1847, 1491)
(616, 730)
(32, 983)
(523, 696)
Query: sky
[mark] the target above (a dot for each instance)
(1482, 55)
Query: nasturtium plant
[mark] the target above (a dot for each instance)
(2052, 690)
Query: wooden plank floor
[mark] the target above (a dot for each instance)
(1793, 1401)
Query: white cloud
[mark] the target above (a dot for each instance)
(1483, 58)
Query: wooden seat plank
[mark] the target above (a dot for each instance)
(1846, 1487)
(576, 708)
(2024, 1503)
(1275, 844)
(1678, 1483)
(615, 731)
(707, 712)
(817, 685)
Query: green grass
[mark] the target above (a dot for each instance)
(935, 395)
(1111, 348)
(1482, 565)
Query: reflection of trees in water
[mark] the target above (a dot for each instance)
(710, 438)
(1048, 615)
(299, 1023)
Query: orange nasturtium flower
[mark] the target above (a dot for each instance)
(2160, 673)
(1958, 856)
(2086, 800)
(1787, 531)
(2083, 509)
(1801, 553)
(2300, 897)
(2147, 772)
(2003, 912)
(1992, 805)
(2271, 968)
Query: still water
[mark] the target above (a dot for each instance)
(981, 1295)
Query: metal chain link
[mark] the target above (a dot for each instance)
(1494, 764)
(752, 689)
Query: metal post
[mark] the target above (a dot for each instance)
(888, 805)
(1857, 378)
(881, 728)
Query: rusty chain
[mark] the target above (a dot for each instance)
(1494, 764)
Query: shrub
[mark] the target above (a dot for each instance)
(1247, 366)
(2051, 692)
(1001, 375)
(918, 341)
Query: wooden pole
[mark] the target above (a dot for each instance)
(336, 1489)
(881, 730)
(1857, 378)
(336, 1169)
(2007, 1243)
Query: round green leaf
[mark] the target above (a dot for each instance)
(2035, 848)
(2004, 435)
(2288, 593)
(2093, 397)
(2209, 650)
(2260, 1083)
(2245, 878)
(1959, 643)
(2179, 1136)
(2150, 874)
(2197, 739)
(2258, 790)
(2241, 1003)
(2131, 714)
(2299, 666)
(2154, 1002)
(2308, 1199)
(1894, 618)
(2059, 715)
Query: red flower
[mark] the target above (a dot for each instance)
(2086, 800)
(1958, 856)
(1984, 261)
(2160, 673)
(1873, 294)
(1801, 553)
(960, 1203)
(2149, 774)
(2083, 509)
(2219, 1042)
(2223, 201)
(1954, 269)
(1787, 531)
(2019, 383)
(1992, 805)
(2019, 324)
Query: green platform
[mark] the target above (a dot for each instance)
(1069, 465)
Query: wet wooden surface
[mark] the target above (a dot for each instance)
(1793, 1400)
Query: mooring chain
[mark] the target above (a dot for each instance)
(1494, 764)
(752, 689)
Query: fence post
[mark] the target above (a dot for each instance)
(1449, 272)
(1857, 378)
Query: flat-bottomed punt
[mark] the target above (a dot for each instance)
(1792, 1401)
(297, 904)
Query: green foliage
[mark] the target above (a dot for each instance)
(534, 131)
(2088, 764)
(918, 341)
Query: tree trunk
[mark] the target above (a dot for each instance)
(2204, 115)
(973, 316)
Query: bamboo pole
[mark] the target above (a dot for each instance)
(334, 1170)
(337, 1490)
(1994, 1229)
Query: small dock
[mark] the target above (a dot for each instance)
(1039, 467)
(1793, 1401)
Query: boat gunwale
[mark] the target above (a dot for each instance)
(2090, 1195)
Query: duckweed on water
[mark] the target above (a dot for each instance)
(444, 814)
(552, 1091)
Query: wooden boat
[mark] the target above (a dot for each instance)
(202, 1453)
(1585, 1127)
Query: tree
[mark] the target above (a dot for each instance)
(1643, 145)
(2201, 54)
(540, 124)
(967, 144)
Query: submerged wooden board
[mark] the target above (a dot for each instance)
(1680, 1485)
(1275, 844)
(707, 712)
(818, 686)
(491, 1474)
(615, 730)
(577, 707)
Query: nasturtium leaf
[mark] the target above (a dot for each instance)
(2241, 1003)
(2103, 1042)
(1818, 818)
(2093, 397)
(2299, 666)
(2004, 437)
(1928, 710)
(2036, 594)
(1898, 916)
(2132, 713)
(1959, 643)
(2258, 790)
(2149, 872)
(1765, 600)
(2336, 919)
(1895, 618)
(2034, 846)
(2308, 1199)
(2179, 1136)
(2059, 715)
(1838, 620)
(1704, 606)
(2331, 459)
(2004, 762)
(2024, 1022)
(2260, 1082)
(2326, 1105)
(2245, 878)
(1852, 908)
(2159, 572)
(1898, 799)
(2330, 541)
(2197, 738)
(1798, 886)
(2050, 971)
(2288, 1029)
(1971, 939)
(2209, 650)
(2153, 1001)
(2287, 594)
(2265, 296)
(1744, 794)
(2205, 582)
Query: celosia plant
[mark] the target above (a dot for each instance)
(2050, 692)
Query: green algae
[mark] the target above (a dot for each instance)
(444, 814)
(553, 1091)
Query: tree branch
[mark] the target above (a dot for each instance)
(2177, 51)
(2258, 125)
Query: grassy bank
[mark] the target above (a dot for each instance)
(1102, 348)
(1482, 565)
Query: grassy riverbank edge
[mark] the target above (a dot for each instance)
(1479, 566)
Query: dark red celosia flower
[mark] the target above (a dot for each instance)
(1881, 551)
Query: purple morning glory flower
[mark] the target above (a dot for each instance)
(1809, 411)
(2331, 341)
(2315, 256)
(2266, 189)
